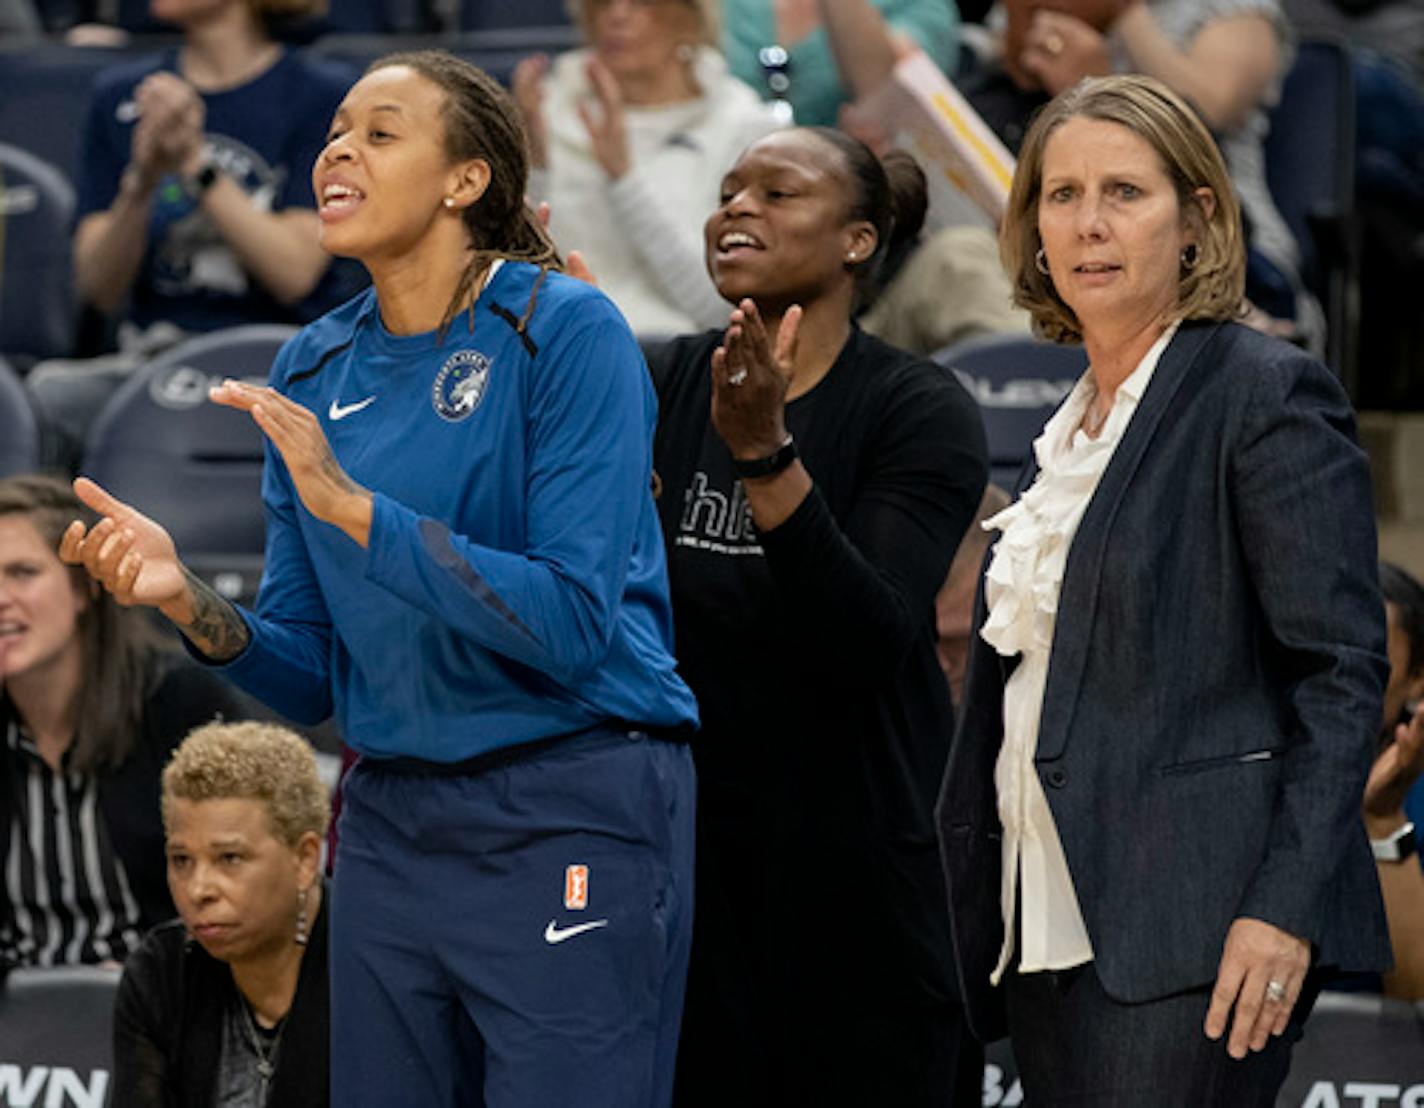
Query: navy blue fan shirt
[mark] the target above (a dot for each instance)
(265, 135)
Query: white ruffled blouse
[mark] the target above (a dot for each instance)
(1021, 591)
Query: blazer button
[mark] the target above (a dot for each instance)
(1057, 778)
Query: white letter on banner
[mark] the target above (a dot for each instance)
(21, 1090)
(65, 1082)
(1321, 1095)
(1413, 1097)
(1370, 1093)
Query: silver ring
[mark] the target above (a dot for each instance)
(735, 379)
(1275, 991)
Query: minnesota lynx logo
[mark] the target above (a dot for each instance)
(460, 385)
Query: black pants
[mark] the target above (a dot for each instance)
(1075, 1045)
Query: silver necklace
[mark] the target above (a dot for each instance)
(266, 1054)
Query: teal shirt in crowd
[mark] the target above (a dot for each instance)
(817, 92)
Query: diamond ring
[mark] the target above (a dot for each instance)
(737, 378)
(1275, 991)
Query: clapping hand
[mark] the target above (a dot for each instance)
(607, 128)
(168, 137)
(750, 376)
(323, 486)
(527, 84)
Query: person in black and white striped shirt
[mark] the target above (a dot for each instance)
(91, 705)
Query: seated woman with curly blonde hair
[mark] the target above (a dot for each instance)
(228, 1004)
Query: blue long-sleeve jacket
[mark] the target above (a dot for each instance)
(514, 587)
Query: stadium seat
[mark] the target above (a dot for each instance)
(496, 51)
(37, 313)
(382, 16)
(44, 97)
(19, 427)
(194, 466)
(56, 1029)
(1310, 168)
(1018, 382)
(486, 15)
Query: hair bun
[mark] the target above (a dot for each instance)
(909, 195)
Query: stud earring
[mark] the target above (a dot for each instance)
(1040, 262)
(851, 256)
(449, 201)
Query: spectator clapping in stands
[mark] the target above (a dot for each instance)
(90, 708)
(195, 209)
(630, 136)
(228, 1004)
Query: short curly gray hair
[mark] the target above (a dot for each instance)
(251, 761)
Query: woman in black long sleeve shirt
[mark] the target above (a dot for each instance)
(809, 522)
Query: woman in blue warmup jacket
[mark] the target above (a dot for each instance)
(464, 564)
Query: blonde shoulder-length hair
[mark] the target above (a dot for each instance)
(1212, 286)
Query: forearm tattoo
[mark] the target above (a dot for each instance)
(332, 471)
(217, 630)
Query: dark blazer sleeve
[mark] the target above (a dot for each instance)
(1301, 497)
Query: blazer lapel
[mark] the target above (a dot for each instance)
(1082, 574)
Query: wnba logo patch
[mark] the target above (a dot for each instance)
(576, 887)
(460, 385)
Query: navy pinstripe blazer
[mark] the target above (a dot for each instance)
(1214, 687)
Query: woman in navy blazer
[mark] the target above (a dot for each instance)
(1150, 817)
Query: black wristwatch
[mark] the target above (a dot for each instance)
(1396, 847)
(203, 180)
(769, 466)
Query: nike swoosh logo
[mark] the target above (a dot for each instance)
(341, 411)
(555, 934)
